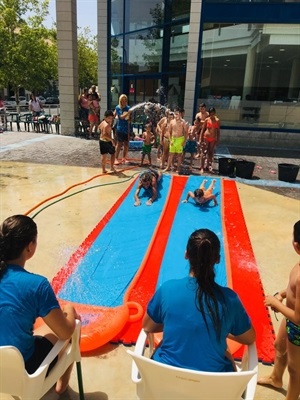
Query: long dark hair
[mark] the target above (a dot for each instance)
(16, 233)
(203, 252)
(297, 232)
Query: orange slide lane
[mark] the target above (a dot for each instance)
(143, 285)
(244, 271)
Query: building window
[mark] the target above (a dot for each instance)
(249, 73)
(143, 14)
(143, 51)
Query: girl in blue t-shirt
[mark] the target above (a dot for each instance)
(196, 315)
(25, 296)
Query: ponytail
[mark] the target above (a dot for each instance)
(203, 251)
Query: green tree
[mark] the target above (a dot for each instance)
(28, 51)
(87, 58)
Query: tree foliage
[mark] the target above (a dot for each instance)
(87, 58)
(28, 55)
(28, 51)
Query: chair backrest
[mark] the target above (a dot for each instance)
(15, 380)
(12, 371)
(161, 382)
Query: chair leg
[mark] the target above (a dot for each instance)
(79, 379)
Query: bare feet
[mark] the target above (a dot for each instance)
(63, 382)
(268, 380)
(113, 170)
(116, 162)
(104, 171)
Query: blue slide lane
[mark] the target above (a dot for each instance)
(188, 218)
(103, 275)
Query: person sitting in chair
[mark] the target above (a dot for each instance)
(197, 315)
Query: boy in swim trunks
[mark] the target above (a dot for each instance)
(202, 195)
(148, 181)
(287, 343)
(148, 139)
(106, 143)
(178, 136)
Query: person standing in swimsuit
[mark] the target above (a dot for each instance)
(191, 145)
(209, 139)
(178, 137)
(106, 142)
(201, 117)
(164, 131)
(287, 343)
(149, 140)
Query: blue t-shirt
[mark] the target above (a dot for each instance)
(187, 343)
(24, 296)
(122, 124)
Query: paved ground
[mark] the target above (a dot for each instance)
(81, 152)
(35, 167)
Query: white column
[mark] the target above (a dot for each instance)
(192, 58)
(102, 53)
(249, 72)
(66, 19)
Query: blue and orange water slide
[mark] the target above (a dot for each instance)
(132, 250)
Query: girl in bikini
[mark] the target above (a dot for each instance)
(209, 139)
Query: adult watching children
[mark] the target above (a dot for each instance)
(196, 314)
(24, 296)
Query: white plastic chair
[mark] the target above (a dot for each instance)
(15, 380)
(157, 381)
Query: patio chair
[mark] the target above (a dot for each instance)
(15, 380)
(157, 381)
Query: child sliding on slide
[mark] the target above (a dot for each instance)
(202, 195)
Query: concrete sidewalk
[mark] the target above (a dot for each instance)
(37, 166)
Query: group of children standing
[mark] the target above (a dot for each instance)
(176, 138)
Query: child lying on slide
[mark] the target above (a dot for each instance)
(202, 195)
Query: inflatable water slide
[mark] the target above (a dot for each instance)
(133, 250)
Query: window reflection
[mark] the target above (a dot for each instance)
(116, 50)
(142, 15)
(181, 9)
(251, 69)
(117, 16)
(178, 47)
(143, 51)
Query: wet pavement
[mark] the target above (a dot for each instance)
(37, 166)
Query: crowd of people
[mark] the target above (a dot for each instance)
(173, 136)
(89, 110)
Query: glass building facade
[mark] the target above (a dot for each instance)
(247, 58)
